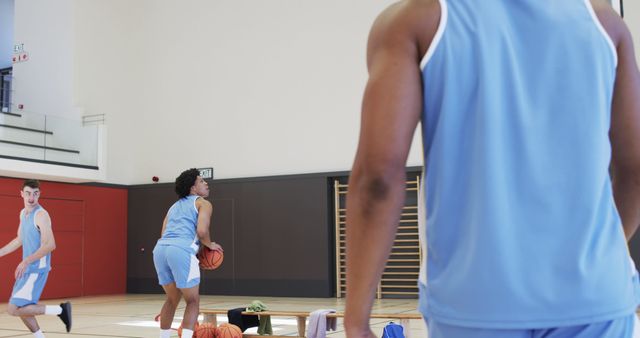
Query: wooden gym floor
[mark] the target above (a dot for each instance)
(132, 315)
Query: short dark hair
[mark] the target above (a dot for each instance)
(185, 181)
(33, 184)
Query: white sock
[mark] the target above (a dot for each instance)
(165, 333)
(38, 334)
(52, 310)
(186, 333)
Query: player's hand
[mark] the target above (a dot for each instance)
(20, 269)
(216, 247)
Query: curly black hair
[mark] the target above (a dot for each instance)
(185, 181)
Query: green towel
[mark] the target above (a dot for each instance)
(257, 306)
(265, 325)
(265, 321)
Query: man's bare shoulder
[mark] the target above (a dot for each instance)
(42, 214)
(416, 20)
(411, 14)
(601, 5)
(42, 218)
(202, 202)
(610, 20)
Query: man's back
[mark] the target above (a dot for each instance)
(517, 105)
(182, 219)
(522, 227)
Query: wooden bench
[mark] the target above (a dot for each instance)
(301, 317)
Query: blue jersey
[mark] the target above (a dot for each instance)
(182, 221)
(31, 241)
(521, 226)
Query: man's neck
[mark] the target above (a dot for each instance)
(28, 209)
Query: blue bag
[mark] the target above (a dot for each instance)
(393, 330)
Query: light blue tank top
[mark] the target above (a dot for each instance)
(521, 227)
(182, 221)
(31, 241)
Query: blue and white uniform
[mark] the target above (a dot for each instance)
(28, 288)
(175, 253)
(521, 228)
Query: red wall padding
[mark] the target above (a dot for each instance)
(90, 228)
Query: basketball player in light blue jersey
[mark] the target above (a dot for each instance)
(185, 228)
(530, 120)
(37, 241)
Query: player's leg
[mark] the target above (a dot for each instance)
(25, 310)
(24, 302)
(192, 310)
(170, 304)
(186, 272)
(167, 281)
(32, 324)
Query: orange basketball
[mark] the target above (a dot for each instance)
(209, 259)
(206, 330)
(195, 329)
(229, 331)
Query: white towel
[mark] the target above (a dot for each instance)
(319, 323)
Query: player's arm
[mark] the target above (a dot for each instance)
(391, 110)
(12, 246)
(625, 136)
(164, 224)
(47, 242)
(625, 121)
(205, 210)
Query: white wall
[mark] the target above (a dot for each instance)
(6, 32)
(254, 88)
(250, 88)
(109, 61)
(44, 83)
(632, 18)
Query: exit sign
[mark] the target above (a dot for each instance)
(206, 173)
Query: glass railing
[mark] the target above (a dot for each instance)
(48, 138)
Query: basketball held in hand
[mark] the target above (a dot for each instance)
(209, 259)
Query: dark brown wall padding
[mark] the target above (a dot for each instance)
(634, 248)
(276, 233)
